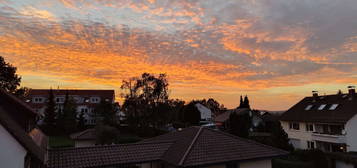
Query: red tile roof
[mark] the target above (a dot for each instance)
(111, 155)
(101, 93)
(197, 146)
(194, 146)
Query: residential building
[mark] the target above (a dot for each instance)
(86, 100)
(326, 122)
(18, 149)
(190, 147)
(21, 113)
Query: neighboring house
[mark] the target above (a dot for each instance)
(326, 122)
(17, 148)
(85, 138)
(86, 100)
(21, 113)
(190, 147)
(222, 120)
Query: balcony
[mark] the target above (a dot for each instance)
(332, 138)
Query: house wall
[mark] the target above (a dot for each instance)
(12, 154)
(299, 137)
(340, 164)
(351, 134)
(249, 164)
(84, 143)
(256, 164)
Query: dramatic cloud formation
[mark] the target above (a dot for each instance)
(276, 51)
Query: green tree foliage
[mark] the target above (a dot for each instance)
(146, 100)
(106, 135)
(279, 137)
(81, 121)
(244, 103)
(191, 114)
(10, 81)
(50, 111)
(239, 124)
(105, 112)
(68, 116)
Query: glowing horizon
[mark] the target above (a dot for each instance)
(276, 52)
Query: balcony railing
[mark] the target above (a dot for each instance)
(328, 137)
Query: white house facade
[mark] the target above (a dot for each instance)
(86, 100)
(12, 152)
(325, 122)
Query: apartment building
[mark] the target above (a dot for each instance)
(86, 100)
(326, 122)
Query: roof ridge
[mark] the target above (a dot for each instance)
(246, 140)
(190, 147)
(102, 146)
(16, 100)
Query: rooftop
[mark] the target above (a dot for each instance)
(338, 108)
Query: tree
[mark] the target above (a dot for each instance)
(244, 103)
(146, 100)
(68, 116)
(279, 137)
(241, 102)
(81, 121)
(191, 114)
(105, 112)
(239, 124)
(9, 80)
(106, 135)
(50, 111)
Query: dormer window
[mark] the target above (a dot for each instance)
(308, 107)
(322, 107)
(333, 107)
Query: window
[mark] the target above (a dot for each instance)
(333, 107)
(308, 107)
(310, 127)
(38, 100)
(322, 106)
(59, 99)
(84, 110)
(310, 145)
(294, 126)
(95, 99)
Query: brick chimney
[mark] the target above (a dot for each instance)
(351, 91)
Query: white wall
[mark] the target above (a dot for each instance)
(12, 154)
(256, 164)
(340, 164)
(351, 134)
(300, 134)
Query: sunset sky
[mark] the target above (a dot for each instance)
(275, 51)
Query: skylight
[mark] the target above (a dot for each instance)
(333, 107)
(322, 106)
(308, 107)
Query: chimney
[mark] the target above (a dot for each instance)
(315, 94)
(351, 91)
